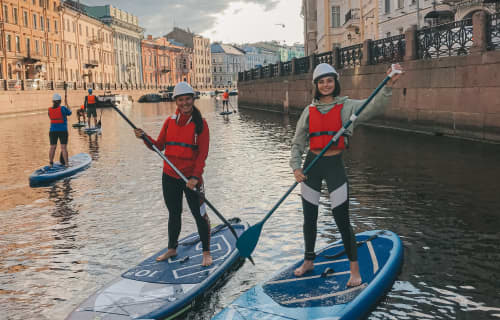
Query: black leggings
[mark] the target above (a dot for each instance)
(172, 194)
(332, 170)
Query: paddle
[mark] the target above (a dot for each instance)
(183, 177)
(99, 122)
(232, 107)
(248, 240)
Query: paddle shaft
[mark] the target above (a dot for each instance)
(332, 141)
(183, 177)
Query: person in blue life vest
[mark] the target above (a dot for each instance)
(185, 138)
(90, 107)
(58, 129)
(317, 125)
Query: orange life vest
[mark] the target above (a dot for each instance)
(322, 128)
(55, 115)
(225, 96)
(181, 140)
(90, 99)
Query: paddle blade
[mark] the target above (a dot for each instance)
(248, 240)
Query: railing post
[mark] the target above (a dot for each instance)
(22, 85)
(294, 66)
(312, 62)
(281, 70)
(336, 57)
(411, 43)
(479, 32)
(367, 52)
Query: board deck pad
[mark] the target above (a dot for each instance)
(321, 295)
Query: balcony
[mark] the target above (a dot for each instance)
(95, 40)
(91, 64)
(352, 19)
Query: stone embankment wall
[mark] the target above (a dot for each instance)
(457, 96)
(17, 102)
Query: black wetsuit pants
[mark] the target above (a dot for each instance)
(332, 170)
(172, 194)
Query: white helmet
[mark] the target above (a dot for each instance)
(323, 70)
(56, 97)
(182, 88)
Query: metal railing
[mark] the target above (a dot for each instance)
(351, 56)
(450, 39)
(302, 65)
(326, 57)
(494, 32)
(390, 49)
(287, 68)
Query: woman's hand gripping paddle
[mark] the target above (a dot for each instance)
(183, 177)
(248, 240)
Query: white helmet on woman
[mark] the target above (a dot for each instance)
(323, 70)
(181, 89)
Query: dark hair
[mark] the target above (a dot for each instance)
(198, 120)
(56, 103)
(335, 93)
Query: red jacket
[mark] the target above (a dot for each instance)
(322, 128)
(190, 161)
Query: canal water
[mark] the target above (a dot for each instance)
(58, 244)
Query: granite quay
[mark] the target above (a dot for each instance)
(451, 87)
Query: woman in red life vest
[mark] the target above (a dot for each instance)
(185, 138)
(58, 129)
(225, 100)
(317, 125)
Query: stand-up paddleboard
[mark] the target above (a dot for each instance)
(166, 289)
(93, 130)
(323, 292)
(47, 174)
(225, 113)
(79, 125)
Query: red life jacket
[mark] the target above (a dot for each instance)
(181, 140)
(322, 128)
(90, 99)
(55, 115)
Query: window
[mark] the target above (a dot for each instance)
(40, 3)
(388, 34)
(401, 4)
(55, 26)
(9, 42)
(57, 50)
(34, 21)
(28, 45)
(74, 27)
(18, 44)
(14, 15)
(44, 48)
(25, 18)
(400, 30)
(42, 23)
(6, 13)
(37, 48)
(80, 28)
(50, 49)
(387, 6)
(48, 25)
(335, 17)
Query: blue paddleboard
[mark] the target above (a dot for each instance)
(323, 292)
(47, 174)
(79, 125)
(166, 289)
(92, 130)
(225, 113)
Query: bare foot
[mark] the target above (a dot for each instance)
(169, 254)
(355, 278)
(207, 259)
(307, 266)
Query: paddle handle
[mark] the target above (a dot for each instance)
(332, 141)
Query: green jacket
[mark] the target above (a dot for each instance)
(301, 138)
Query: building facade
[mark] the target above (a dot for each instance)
(227, 61)
(202, 57)
(255, 57)
(127, 36)
(87, 47)
(31, 40)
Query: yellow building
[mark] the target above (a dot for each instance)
(87, 48)
(202, 57)
(31, 40)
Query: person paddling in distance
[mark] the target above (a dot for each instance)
(317, 125)
(185, 138)
(58, 129)
(81, 113)
(90, 106)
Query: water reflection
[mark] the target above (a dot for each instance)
(65, 241)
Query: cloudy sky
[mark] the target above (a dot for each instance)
(233, 21)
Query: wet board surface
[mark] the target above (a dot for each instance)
(79, 125)
(158, 290)
(319, 295)
(47, 174)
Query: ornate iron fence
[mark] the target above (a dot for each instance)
(450, 39)
(255, 73)
(351, 56)
(390, 49)
(326, 57)
(302, 65)
(266, 71)
(248, 74)
(275, 70)
(494, 32)
(287, 68)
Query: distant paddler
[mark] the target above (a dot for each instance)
(185, 138)
(90, 106)
(58, 129)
